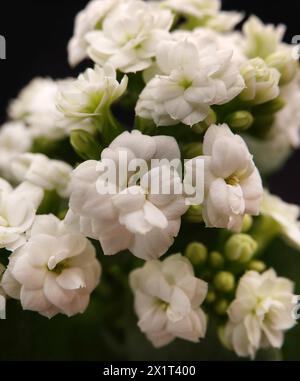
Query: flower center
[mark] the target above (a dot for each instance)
(232, 180)
(186, 83)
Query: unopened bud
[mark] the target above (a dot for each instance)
(247, 223)
(285, 63)
(85, 145)
(270, 108)
(146, 126)
(224, 281)
(258, 266)
(192, 150)
(240, 247)
(216, 259)
(211, 297)
(221, 307)
(197, 253)
(240, 120)
(200, 128)
(194, 214)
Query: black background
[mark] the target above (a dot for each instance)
(37, 33)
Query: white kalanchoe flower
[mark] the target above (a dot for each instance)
(260, 314)
(284, 61)
(54, 272)
(262, 40)
(2, 295)
(233, 187)
(168, 297)
(35, 106)
(87, 20)
(43, 172)
(129, 35)
(199, 9)
(94, 90)
(285, 215)
(130, 217)
(17, 212)
(192, 80)
(15, 138)
(262, 82)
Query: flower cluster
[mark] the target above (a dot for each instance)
(165, 139)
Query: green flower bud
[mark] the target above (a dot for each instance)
(201, 127)
(211, 297)
(224, 281)
(271, 107)
(240, 247)
(262, 82)
(247, 223)
(194, 214)
(221, 307)
(85, 145)
(192, 150)
(216, 259)
(258, 266)
(240, 120)
(285, 63)
(197, 253)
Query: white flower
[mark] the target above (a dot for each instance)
(129, 35)
(54, 272)
(260, 313)
(87, 96)
(261, 40)
(168, 297)
(285, 215)
(132, 217)
(15, 138)
(262, 82)
(199, 9)
(192, 80)
(233, 185)
(285, 63)
(2, 295)
(86, 21)
(43, 172)
(35, 106)
(17, 212)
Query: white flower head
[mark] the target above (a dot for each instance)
(260, 314)
(54, 272)
(17, 212)
(262, 82)
(87, 96)
(262, 40)
(233, 186)
(131, 217)
(15, 138)
(168, 297)
(87, 20)
(199, 9)
(192, 79)
(35, 106)
(129, 35)
(43, 172)
(285, 215)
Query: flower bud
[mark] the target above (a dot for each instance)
(258, 266)
(192, 150)
(194, 214)
(197, 253)
(224, 281)
(240, 247)
(240, 120)
(262, 82)
(271, 107)
(146, 126)
(85, 145)
(285, 63)
(201, 127)
(211, 297)
(221, 307)
(247, 223)
(216, 259)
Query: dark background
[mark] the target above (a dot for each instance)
(37, 33)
